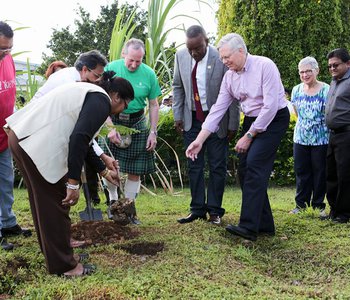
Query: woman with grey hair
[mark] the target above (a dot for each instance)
(310, 137)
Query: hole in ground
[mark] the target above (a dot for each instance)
(144, 248)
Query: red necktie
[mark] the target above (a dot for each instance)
(197, 101)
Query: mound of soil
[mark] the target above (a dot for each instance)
(106, 232)
(102, 232)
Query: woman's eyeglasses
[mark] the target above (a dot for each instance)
(306, 72)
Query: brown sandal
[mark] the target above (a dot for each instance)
(88, 269)
(81, 257)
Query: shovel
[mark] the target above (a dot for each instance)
(90, 213)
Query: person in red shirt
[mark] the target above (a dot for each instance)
(8, 221)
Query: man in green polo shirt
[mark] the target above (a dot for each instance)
(138, 158)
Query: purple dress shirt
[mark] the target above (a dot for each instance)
(258, 88)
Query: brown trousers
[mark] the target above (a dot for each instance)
(51, 219)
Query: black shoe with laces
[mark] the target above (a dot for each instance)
(340, 220)
(190, 218)
(242, 232)
(326, 217)
(16, 230)
(5, 245)
(215, 219)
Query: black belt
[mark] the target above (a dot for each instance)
(137, 114)
(340, 129)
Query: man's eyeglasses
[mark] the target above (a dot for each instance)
(306, 72)
(334, 66)
(8, 50)
(222, 58)
(96, 74)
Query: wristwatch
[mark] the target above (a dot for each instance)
(154, 132)
(249, 135)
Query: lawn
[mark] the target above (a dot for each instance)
(307, 259)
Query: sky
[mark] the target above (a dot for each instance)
(44, 15)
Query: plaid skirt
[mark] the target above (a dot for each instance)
(134, 159)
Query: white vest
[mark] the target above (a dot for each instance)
(46, 124)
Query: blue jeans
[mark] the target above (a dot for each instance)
(7, 217)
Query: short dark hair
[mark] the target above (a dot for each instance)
(6, 30)
(90, 59)
(340, 53)
(195, 31)
(111, 83)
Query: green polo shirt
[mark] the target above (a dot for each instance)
(143, 80)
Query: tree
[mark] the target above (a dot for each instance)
(66, 44)
(287, 30)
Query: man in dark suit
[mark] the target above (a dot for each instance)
(196, 85)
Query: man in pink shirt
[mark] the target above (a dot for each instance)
(8, 222)
(255, 82)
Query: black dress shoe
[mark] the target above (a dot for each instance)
(326, 217)
(341, 220)
(267, 233)
(190, 218)
(5, 245)
(16, 230)
(242, 232)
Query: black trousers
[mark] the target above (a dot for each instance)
(215, 150)
(338, 174)
(310, 173)
(255, 168)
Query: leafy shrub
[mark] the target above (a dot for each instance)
(285, 31)
(283, 172)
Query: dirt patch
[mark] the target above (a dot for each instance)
(14, 264)
(144, 248)
(102, 232)
(107, 232)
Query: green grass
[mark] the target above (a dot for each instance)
(307, 259)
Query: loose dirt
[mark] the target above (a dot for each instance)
(102, 232)
(106, 232)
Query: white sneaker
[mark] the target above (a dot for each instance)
(295, 211)
(323, 213)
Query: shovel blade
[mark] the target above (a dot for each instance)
(91, 215)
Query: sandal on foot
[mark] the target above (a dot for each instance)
(87, 270)
(81, 257)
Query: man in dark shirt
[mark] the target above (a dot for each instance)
(338, 121)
